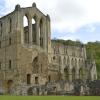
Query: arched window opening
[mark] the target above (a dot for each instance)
(35, 65)
(9, 41)
(64, 61)
(36, 80)
(10, 63)
(80, 73)
(26, 29)
(28, 78)
(66, 73)
(72, 62)
(73, 74)
(41, 33)
(34, 29)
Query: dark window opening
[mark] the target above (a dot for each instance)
(49, 78)
(9, 41)
(54, 57)
(41, 33)
(36, 80)
(28, 79)
(34, 29)
(9, 64)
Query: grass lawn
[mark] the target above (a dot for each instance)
(49, 97)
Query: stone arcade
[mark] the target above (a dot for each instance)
(28, 58)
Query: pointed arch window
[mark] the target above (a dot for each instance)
(73, 74)
(26, 29)
(34, 29)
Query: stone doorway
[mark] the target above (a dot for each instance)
(9, 86)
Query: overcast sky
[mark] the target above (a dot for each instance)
(70, 19)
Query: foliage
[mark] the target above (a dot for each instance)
(68, 42)
(93, 51)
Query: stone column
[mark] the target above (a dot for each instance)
(44, 35)
(48, 33)
(30, 30)
(70, 70)
(77, 74)
(77, 71)
(37, 33)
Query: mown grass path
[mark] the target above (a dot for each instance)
(49, 97)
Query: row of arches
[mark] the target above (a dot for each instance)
(74, 62)
(35, 30)
(73, 73)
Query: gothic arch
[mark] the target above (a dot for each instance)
(34, 21)
(26, 29)
(28, 78)
(80, 73)
(35, 65)
(72, 62)
(73, 74)
(9, 86)
(66, 73)
(64, 60)
(41, 32)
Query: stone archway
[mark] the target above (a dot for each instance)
(73, 74)
(9, 86)
(35, 65)
(80, 73)
(66, 74)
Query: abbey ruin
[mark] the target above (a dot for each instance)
(28, 58)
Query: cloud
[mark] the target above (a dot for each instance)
(67, 16)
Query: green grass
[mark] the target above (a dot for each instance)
(49, 97)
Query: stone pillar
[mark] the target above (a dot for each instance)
(77, 71)
(48, 34)
(37, 32)
(44, 35)
(77, 74)
(70, 70)
(30, 30)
